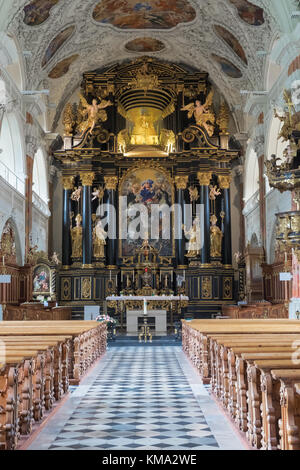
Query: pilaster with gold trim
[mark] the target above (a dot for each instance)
(181, 182)
(87, 179)
(225, 181)
(204, 178)
(111, 183)
(68, 185)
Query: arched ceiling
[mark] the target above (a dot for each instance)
(65, 38)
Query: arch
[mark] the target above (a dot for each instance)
(12, 162)
(254, 240)
(11, 59)
(17, 240)
(273, 69)
(40, 178)
(251, 178)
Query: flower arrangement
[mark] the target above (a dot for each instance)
(109, 320)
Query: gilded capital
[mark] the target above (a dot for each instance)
(204, 178)
(111, 182)
(225, 181)
(181, 181)
(87, 178)
(68, 182)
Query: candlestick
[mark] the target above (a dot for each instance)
(110, 275)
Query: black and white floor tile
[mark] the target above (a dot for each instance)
(139, 398)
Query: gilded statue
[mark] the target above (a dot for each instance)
(214, 192)
(76, 194)
(203, 114)
(291, 119)
(94, 112)
(76, 235)
(194, 194)
(216, 237)
(194, 245)
(68, 119)
(99, 240)
(223, 118)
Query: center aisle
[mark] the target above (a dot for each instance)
(139, 397)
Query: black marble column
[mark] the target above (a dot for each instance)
(87, 236)
(181, 184)
(68, 184)
(225, 186)
(204, 181)
(111, 183)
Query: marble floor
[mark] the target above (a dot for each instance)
(139, 398)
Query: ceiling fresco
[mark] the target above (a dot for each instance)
(150, 14)
(145, 45)
(227, 67)
(249, 13)
(37, 11)
(56, 44)
(232, 42)
(62, 68)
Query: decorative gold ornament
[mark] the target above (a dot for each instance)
(206, 287)
(145, 80)
(76, 235)
(223, 118)
(111, 182)
(68, 182)
(225, 181)
(86, 288)
(291, 120)
(87, 178)
(204, 178)
(181, 181)
(203, 114)
(194, 194)
(69, 120)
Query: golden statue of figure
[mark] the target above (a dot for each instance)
(194, 246)
(216, 237)
(203, 114)
(95, 113)
(99, 240)
(76, 235)
(291, 119)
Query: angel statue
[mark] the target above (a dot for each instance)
(98, 193)
(95, 113)
(55, 258)
(214, 192)
(203, 114)
(76, 194)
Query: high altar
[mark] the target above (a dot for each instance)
(146, 132)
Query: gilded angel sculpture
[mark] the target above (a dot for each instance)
(94, 112)
(214, 192)
(98, 193)
(203, 114)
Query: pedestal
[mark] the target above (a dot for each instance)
(160, 321)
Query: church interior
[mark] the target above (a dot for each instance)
(149, 225)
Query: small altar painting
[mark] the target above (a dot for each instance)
(227, 67)
(62, 67)
(150, 14)
(249, 13)
(41, 279)
(232, 42)
(145, 45)
(56, 43)
(147, 187)
(37, 11)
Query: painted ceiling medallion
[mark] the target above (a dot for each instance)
(145, 45)
(37, 11)
(147, 14)
(62, 67)
(249, 13)
(232, 42)
(56, 43)
(227, 67)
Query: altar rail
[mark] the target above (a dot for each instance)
(254, 370)
(36, 311)
(38, 360)
(256, 310)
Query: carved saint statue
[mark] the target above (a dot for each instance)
(94, 112)
(76, 235)
(99, 240)
(203, 114)
(216, 237)
(194, 245)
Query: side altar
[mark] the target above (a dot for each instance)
(146, 174)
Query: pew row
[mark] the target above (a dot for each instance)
(37, 363)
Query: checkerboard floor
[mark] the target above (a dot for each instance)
(137, 398)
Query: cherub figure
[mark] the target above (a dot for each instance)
(76, 194)
(94, 111)
(55, 259)
(98, 193)
(214, 192)
(203, 114)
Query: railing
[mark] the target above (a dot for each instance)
(40, 204)
(12, 179)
